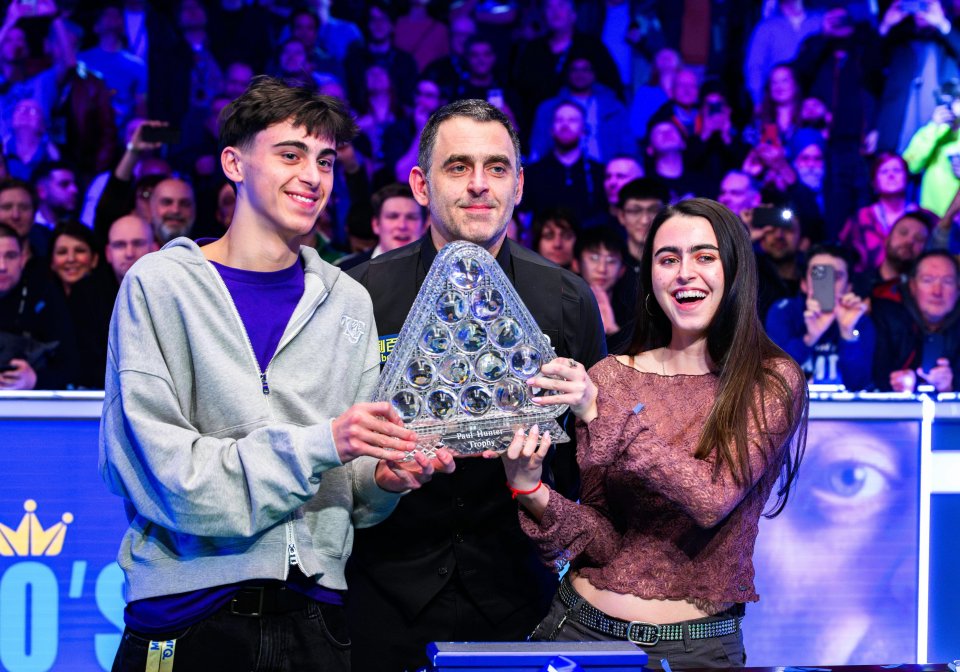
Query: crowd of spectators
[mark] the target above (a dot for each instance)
(829, 126)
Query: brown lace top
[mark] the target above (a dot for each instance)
(652, 521)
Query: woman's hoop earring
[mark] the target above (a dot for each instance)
(646, 305)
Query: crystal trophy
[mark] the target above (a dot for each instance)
(457, 372)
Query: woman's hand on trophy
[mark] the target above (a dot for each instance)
(570, 384)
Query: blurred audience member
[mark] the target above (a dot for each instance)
(118, 196)
(779, 112)
(806, 154)
(28, 145)
(57, 194)
(421, 35)
(919, 49)
(382, 109)
(739, 192)
(867, 231)
(482, 80)
(780, 245)
(450, 70)
(606, 118)
(833, 345)
(397, 221)
(715, 147)
(205, 74)
(124, 72)
(638, 202)
(841, 69)
(665, 151)
(682, 108)
(918, 340)
(236, 79)
(651, 96)
(555, 233)
(776, 39)
(600, 254)
(18, 209)
(379, 50)
(36, 334)
(336, 35)
(933, 150)
(903, 245)
(401, 139)
(539, 67)
(172, 209)
(565, 176)
(129, 238)
(226, 203)
(74, 255)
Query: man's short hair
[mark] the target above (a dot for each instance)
(570, 102)
(643, 189)
(14, 183)
(383, 194)
(834, 250)
(46, 168)
(940, 254)
(7, 231)
(268, 101)
(470, 108)
(600, 236)
(926, 217)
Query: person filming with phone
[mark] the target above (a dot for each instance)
(826, 327)
(935, 147)
(918, 340)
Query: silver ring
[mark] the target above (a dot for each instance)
(572, 364)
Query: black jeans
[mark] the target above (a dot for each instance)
(314, 638)
(725, 652)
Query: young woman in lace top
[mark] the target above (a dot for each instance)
(681, 442)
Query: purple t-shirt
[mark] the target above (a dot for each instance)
(265, 302)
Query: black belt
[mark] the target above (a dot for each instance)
(259, 600)
(639, 632)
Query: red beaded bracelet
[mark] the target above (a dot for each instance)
(516, 492)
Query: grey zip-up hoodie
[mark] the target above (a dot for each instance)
(228, 473)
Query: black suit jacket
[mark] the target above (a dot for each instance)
(466, 523)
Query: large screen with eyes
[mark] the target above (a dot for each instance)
(837, 570)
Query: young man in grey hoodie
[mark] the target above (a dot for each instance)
(234, 423)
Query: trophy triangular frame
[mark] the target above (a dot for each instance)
(458, 369)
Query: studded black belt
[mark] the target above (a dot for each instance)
(639, 632)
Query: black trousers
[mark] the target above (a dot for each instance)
(384, 640)
(314, 638)
(717, 652)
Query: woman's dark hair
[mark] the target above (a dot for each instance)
(560, 217)
(882, 158)
(768, 109)
(76, 230)
(739, 347)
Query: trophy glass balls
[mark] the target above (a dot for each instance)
(457, 373)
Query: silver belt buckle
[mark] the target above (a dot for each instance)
(639, 642)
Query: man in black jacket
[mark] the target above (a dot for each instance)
(451, 563)
(918, 340)
(37, 342)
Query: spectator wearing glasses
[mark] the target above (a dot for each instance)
(600, 255)
(129, 238)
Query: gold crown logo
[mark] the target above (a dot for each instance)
(30, 539)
